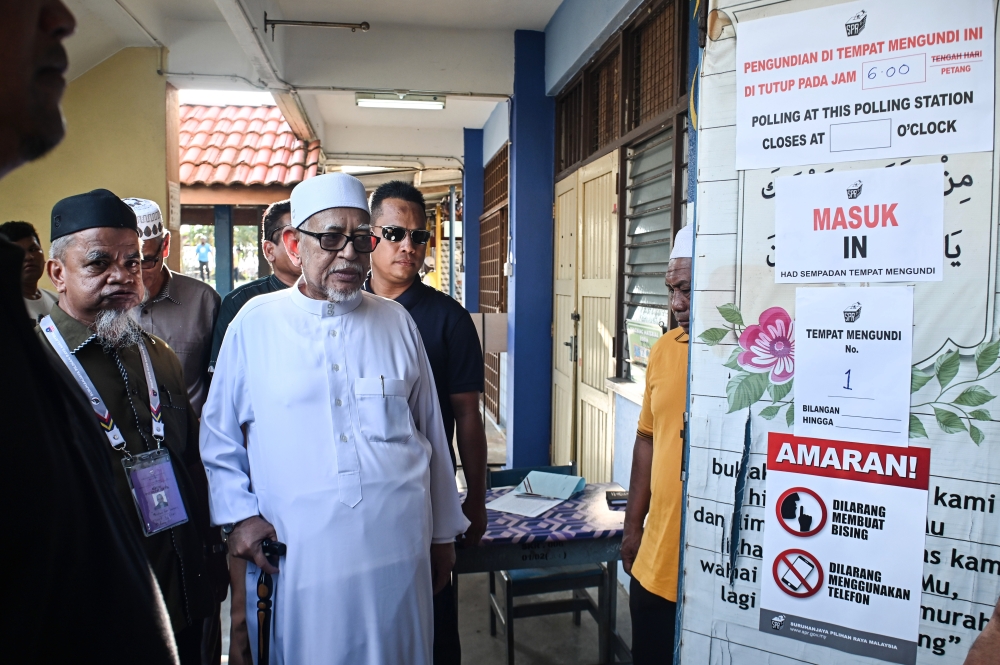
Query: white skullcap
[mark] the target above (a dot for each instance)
(147, 214)
(331, 190)
(683, 243)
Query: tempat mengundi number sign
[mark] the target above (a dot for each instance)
(853, 353)
(864, 80)
(875, 225)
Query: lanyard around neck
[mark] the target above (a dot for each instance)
(100, 409)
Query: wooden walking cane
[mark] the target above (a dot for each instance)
(273, 550)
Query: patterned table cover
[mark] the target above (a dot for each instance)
(584, 516)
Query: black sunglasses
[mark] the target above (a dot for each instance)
(334, 242)
(397, 233)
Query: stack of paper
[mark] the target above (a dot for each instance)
(538, 493)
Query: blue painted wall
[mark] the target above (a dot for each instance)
(529, 304)
(576, 31)
(626, 423)
(496, 131)
(472, 208)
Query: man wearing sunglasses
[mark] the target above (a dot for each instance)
(456, 359)
(346, 450)
(178, 309)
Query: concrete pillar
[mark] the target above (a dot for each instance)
(472, 208)
(223, 249)
(529, 303)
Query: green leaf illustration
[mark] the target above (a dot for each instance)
(917, 430)
(976, 434)
(779, 390)
(974, 396)
(948, 421)
(769, 412)
(731, 314)
(790, 414)
(744, 389)
(918, 379)
(946, 367)
(980, 414)
(713, 336)
(731, 363)
(986, 355)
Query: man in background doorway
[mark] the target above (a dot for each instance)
(651, 547)
(203, 251)
(452, 344)
(38, 301)
(177, 308)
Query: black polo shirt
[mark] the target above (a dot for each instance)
(451, 341)
(231, 306)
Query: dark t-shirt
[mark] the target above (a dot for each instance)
(233, 303)
(451, 341)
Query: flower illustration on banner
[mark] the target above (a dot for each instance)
(763, 362)
(769, 346)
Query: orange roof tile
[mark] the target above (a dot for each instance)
(242, 145)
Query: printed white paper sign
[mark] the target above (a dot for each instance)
(852, 363)
(843, 545)
(878, 225)
(865, 80)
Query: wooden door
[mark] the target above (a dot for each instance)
(597, 259)
(564, 314)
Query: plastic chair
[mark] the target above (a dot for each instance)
(533, 581)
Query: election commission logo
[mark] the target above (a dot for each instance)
(798, 573)
(801, 512)
(856, 23)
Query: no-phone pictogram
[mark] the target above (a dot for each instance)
(798, 573)
(801, 512)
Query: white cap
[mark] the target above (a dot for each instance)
(683, 244)
(147, 214)
(330, 190)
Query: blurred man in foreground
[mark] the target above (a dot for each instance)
(80, 585)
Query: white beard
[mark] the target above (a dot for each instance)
(118, 329)
(336, 296)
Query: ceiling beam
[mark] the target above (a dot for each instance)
(248, 36)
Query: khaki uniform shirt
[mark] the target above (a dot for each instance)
(176, 555)
(183, 315)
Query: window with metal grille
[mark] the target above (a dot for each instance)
(657, 177)
(493, 232)
(569, 127)
(603, 86)
(653, 54)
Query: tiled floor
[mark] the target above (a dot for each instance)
(547, 640)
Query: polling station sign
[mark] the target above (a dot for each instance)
(874, 225)
(865, 80)
(843, 545)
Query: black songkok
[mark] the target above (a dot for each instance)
(97, 209)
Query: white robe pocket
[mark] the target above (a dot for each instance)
(383, 412)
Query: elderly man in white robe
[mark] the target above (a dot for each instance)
(346, 459)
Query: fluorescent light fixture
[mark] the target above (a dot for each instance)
(382, 100)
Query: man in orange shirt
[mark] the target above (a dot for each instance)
(651, 545)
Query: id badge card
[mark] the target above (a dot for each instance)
(154, 490)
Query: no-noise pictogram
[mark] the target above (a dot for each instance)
(801, 512)
(798, 573)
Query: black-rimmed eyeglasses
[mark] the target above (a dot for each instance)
(334, 242)
(397, 233)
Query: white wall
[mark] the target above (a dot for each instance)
(575, 32)
(496, 131)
